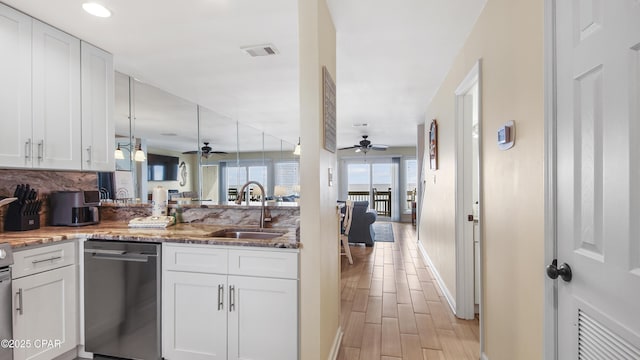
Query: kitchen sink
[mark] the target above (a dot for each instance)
(251, 235)
(247, 234)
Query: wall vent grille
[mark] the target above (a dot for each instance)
(596, 342)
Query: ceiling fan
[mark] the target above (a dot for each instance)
(206, 151)
(365, 145)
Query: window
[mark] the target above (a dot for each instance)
(239, 175)
(411, 183)
(286, 175)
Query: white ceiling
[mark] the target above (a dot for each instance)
(391, 56)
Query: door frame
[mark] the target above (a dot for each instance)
(550, 333)
(465, 279)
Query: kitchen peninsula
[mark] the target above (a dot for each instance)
(219, 290)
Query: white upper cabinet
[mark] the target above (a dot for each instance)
(15, 91)
(56, 103)
(98, 129)
(56, 99)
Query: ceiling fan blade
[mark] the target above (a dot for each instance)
(191, 152)
(349, 147)
(378, 147)
(219, 152)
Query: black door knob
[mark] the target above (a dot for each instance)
(564, 271)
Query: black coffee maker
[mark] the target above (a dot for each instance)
(74, 208)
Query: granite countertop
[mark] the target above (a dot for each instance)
(179, 233)
(207, 205)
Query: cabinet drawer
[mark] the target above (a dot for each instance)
(264, 263)
(193, 258)
(33, 261)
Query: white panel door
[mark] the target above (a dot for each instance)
(263, 315)
(56, 98)
(45, 308)
(598, 178)
(15, 91)
(194, 316)
(98, 128)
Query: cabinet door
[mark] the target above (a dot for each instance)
(194, 325)
(45, 314)
(98, 129)
(56, 99)
(263, 321)
(15, 91)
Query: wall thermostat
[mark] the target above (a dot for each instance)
(507, 135)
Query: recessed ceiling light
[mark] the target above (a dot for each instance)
(96, 9)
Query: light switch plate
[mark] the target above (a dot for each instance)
(330, 174)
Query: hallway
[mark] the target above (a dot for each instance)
(392, 308)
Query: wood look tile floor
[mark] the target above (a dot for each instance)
(392, 309)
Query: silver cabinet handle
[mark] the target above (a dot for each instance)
(27, 150)
(19, 308)
(41, 150)
(45, 260)
(220, 297)
(89, 153)
(232, 303)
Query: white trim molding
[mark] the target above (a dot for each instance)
(484, 356)
(335, 348)
(465, 279)
(550, 335)
(445, 291)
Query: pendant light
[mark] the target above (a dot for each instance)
(119, 155)
(297, 150)
(139, 155)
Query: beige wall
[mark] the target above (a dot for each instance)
(320, 258)
(508, 37)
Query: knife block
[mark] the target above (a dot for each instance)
(17, 220)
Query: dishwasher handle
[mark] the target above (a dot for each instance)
(5, 274)
(119, 256)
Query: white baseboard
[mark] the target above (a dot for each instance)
(445, 291)
(69, 355)
(335, 348)
(483, 356)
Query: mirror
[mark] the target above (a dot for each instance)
(168, 128)
(218, 136)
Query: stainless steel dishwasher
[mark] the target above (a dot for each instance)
(122, 299)
(6, 330)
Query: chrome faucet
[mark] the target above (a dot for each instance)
(263, 215)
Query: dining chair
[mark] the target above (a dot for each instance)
(344, 236)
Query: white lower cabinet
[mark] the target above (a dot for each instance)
(223, 315)
(45, 314)
(263, 319)
(194, 326)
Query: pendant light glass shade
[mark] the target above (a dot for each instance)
(139, 154)
(119, 155)
(296, 151)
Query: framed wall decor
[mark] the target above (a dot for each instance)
(433, 145)
(329, 110)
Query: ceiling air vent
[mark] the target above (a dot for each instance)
(260, 50)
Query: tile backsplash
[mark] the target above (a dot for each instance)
(45, 182)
